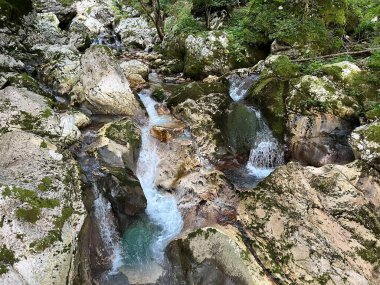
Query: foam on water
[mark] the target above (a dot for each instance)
(266, 152)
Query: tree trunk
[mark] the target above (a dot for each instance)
(159, 19)
(208, 17)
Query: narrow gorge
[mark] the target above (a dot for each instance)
(189, 142)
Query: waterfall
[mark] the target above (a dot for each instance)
(146, 240)
(162, 208)
(266, 153)
(239, 86)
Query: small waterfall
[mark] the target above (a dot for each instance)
(109, 39)
(266, 153)
(107, 228)
(146, 240)
(239, 87)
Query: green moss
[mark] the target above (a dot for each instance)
(45, 184)
(269, 94)
(159, 94)
(323, 279)
(373, 133)
(7, 258)
(284, 68)
(31, 215)
(30, 197)
(55, 234)
(239, 128)
(125, 177)
(66, 2)
(124, 132)
(47, 113)
(374, 61)
(43, 144)
(370, 252)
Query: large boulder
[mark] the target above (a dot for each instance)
(42, 211)
(316, 225)
(203, 116)
(207, 55)
(365, 141)
(119, 144)
(60, 69)
(240, 127)
(319, 139)
(25, 110)
(105, 87)
(214, 256)
(320, 118)
(136, 32)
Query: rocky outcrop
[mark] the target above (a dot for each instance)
(316, 225)
(106, 90)
(136, 32)
(206, 55)
(365, 141)
(214, 256)
(42, 211)
(61, 67)
(319, 139)
(320, 120)
(25, 110)
(202, 116)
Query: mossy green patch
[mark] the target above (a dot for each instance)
(370, 252)
(45, 184)
(31, 215)
(373, 133)
(124, 132)
(30, 197)
(7, 258)
(55, 234)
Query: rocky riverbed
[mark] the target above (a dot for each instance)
(127, 159)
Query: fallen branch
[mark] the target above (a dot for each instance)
(368, 51)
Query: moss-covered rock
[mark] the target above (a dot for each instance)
(239, 128)
(366, 142)
(318, 94)
(299, 216)
(194, 91)
(214, 256)
(40, 196)
(343, 71)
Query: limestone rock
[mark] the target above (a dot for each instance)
(166, 132)
(206, 55)
(42, 210)
(311, 93)
(365, 141)
(202, 116)
(106, 89)
(319, 139)
(136, 32)
(214, 256)
(135, 67)
(312, 224)
(25, 110)
(61, 68)
(8, 63)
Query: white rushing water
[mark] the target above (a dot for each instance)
(162, 208)
(266, 153)
(146, 239)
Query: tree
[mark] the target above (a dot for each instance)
(207, 6)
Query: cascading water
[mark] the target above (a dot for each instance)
(145, 241)
(266, 152)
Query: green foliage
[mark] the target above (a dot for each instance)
(182, 21)
(30, 197)
(45, 184)
(317, 24)
(13, 10)
(374, 61)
